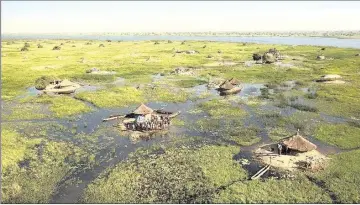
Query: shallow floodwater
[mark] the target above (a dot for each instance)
(316, 41)
(115, 146)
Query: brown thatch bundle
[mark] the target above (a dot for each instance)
(65, 83)
(321, 57)
(143, 110)
(234, 81)
(226, 85)
(299, 143)
(268, 58)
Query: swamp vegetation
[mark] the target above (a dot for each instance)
(56, 149)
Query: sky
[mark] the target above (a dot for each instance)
(177, 16)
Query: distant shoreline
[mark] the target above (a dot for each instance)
(333, 34)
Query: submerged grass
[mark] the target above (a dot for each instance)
(299, 190)
(177, 176)
(61, 106)
(32, 168)
(342, 177)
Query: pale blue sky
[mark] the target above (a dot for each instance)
(179, 16)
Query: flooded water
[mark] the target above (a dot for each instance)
(114, 147)
(316, 41)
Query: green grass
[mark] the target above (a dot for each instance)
(25, 112)
(339, 100)
(244, 136)
(178, 176)
(342, 177)
(341, 135)
(37, 181)
(181, 175)
(279, 133)
(275, 191)
(114, 97)
(163, 94)
(221, 108)
(61, 106)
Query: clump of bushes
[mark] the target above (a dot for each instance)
(108, 40)
(265, 94)
(88, 43)
(209, 56)
(219, 51)
(43, 81)
(40, 46)
(61, 44)
(56, 48)
(183, 43)
(204, 46)
(24, 49)
(101, 45)
(27, 45)
(169, 41)
(73, 46)
(156, 43)
(256, 57)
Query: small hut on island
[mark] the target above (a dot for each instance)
(297, 143)
(230, 86)
(292, 153)
(49, 84)
(145, 119)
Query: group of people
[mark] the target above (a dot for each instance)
(151, 122)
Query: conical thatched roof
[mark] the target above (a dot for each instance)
(234, 81)
(226, 85)
(143, 110)
(299, 143)
(66, 83)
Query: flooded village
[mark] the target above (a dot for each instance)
(165, 119)
(252, 117)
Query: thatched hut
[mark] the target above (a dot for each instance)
(298, 143)
(268, 58)
(234, 81)
(226, 85)
(143, 110)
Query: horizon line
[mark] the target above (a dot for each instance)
(274, 31)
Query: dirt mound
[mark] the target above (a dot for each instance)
(307, 160)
